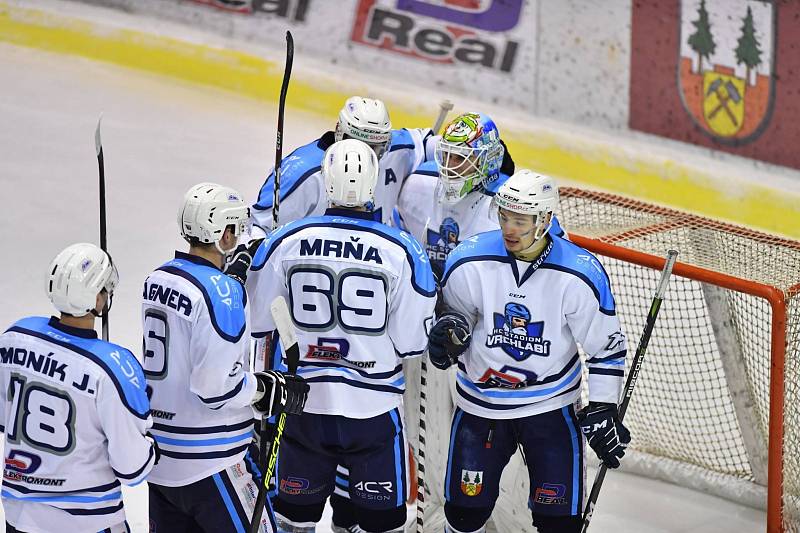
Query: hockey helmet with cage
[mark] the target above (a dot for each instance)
(77, 275)
(529, 193)
(468, 154)
(365, 119)
(350, 170)
(207, 209)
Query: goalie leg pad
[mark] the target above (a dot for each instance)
(466, 519)
(553, 446)
(557, 524)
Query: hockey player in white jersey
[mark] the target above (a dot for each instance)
(361, 293)
(75, 409)
(302, 192)
(196, 358)
(518, 302)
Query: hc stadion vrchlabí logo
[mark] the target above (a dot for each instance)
(516, 334)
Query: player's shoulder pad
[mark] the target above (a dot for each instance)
(556, 229)
(401, 140)
(486, 246)
(119, 363)
(297, 167)
(225, 298)
(421, 273)
(427, 168)
(568, 257)
(493, 184)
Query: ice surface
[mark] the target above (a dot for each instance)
(160, 137)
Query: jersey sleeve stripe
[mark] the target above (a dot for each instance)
(137, 473)
(228, 395)
(606, 371)
(606, 359)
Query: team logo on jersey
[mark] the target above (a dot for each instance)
(335, 350)
(508, 377)
(440, 244)
(22, 462)
(471, 482)
(516, 334)
(550, 494)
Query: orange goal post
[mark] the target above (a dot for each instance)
(717, 404)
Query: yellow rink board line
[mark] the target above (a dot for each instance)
(592, 164)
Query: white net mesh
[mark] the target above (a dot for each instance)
(703, 397)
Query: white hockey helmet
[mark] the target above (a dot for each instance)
(77, 275)
(530, 193)
(207, 209)
(350, 170)
(365, 119)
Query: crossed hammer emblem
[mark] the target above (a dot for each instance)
(731, 94)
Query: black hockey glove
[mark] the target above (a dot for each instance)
(241, 260)
(149, 436)
(448, 339)
(279, 392)
(507, 167)
(604, 432)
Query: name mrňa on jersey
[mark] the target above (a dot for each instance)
(352, 249)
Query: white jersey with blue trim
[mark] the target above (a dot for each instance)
(75, 414)
(526, 319)
(361, 296)
(196, 359)
(302, 189)
(440, 226)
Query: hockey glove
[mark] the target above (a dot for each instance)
(279, 392)
(149, 436)
(241, 260)
(604, 432)
(448, 339)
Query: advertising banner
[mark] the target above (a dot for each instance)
(720, 74)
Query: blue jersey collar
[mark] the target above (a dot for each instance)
(70, 330)
(351, 213)
(195, 259)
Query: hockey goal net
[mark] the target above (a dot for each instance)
(717, 404)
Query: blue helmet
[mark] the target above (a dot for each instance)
(448, 231)
(515, 310)
(468, 154)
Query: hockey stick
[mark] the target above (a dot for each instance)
(287, 73)
(633, 376)
(283, 321)
(444, 108)
(98, 145)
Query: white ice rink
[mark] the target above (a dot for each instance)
(160, 137)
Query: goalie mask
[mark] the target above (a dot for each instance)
(207, 209)
(531, 195)
(468, 154)
(367, 120)
(77, 275)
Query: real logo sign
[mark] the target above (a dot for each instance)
(398, 27)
